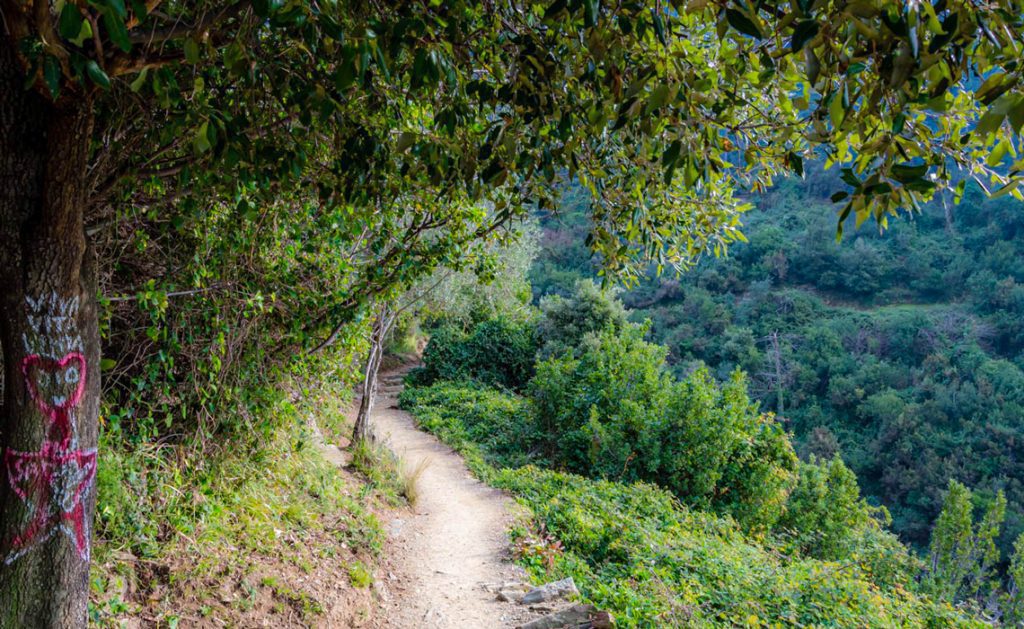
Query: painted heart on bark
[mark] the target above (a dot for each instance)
(69, 369)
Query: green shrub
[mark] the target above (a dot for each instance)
(498, 352)
(614, 412)
(565, 322)
(600, 412)
(637, 551)
(464, 415)
(634, 549)
(719, 452)
(826, 514)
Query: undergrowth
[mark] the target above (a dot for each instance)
(381, 468)
(173, 524)
(634, 549)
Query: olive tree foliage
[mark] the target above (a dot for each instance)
(496, 285)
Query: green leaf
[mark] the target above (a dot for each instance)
(742, 22)
(201, 141)
(116, 30)
(591, 9)
(264, 8)
(191, 51)
(671, 154)
(83, 35)
(849, 178)
(659, 27)
(405, 140)
(107, 364)
(990, 121)
(839, 196)
(906, 172)
(659, 96)
(96, 74)
(118, 7)
(1016, 114)
(52, 75)
(796, 163)
(836, 111)
(140, 80)
(803, 33)
(71, 21)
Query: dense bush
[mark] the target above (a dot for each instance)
(497, 352)
(615, 413)
(634, 549)
(599, 412)
(565, 321)
(477, 419)
(826, 518)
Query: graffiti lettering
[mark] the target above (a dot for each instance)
(53, 481)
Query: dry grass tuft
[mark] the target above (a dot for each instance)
(409, 476)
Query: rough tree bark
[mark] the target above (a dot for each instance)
(51, 355)
(385, 318)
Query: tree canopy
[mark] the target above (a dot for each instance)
(395, 116)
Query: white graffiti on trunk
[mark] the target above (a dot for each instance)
(53, 481)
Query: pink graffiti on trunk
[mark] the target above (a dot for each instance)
(72, 366)
(53, 480)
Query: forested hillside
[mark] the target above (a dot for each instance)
(674, 500)
(901, 350)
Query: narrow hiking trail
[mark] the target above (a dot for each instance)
(454, 540)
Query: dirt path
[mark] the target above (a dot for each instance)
(454, 541)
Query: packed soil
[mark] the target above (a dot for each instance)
(451, 543)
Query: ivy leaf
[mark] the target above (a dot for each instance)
(96, 74)
(118, 7)
(52, 75)
(117, 31)
(71, 22)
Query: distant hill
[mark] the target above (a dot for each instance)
(903, 350)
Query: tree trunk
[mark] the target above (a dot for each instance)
(363, 430)
(51, 354)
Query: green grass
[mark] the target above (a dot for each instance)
(221, 508)
(381, 469)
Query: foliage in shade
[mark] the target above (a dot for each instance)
(497, 352)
